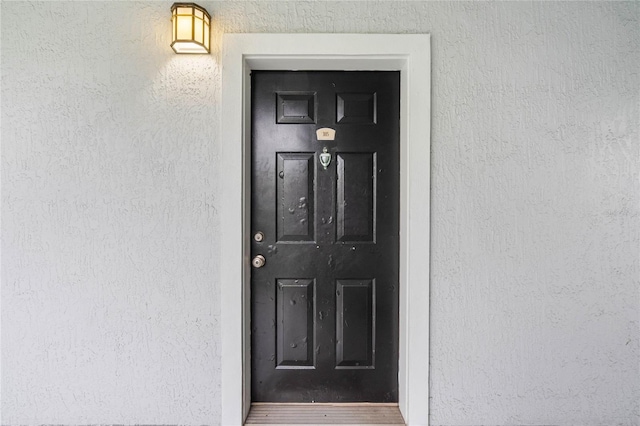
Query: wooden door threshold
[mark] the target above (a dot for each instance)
(292, 414)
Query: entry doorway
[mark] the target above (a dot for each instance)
(325, 168)
(409, 54)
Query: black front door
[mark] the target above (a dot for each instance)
(325, 225)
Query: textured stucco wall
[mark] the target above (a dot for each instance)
(110, 188)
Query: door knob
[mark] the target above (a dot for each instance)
(258, 261)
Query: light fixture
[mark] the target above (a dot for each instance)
(191, 28)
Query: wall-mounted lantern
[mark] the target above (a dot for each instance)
(191, 28)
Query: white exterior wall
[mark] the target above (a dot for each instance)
(110, 191)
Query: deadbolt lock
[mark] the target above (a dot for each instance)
(258, 261)
(258, 237)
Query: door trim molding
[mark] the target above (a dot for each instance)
(411, 55)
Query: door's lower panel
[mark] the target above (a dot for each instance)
(295, 328)
(355, 323)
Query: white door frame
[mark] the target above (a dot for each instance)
(411, 55)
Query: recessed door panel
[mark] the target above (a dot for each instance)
(355, 323)
(295, 197)
(295, 316)
(356, 189)
(295, 107)
(356, 108)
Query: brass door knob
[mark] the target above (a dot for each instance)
(258, 261)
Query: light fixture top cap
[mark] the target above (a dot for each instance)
(196, 6)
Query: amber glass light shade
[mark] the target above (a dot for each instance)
(191, 26)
